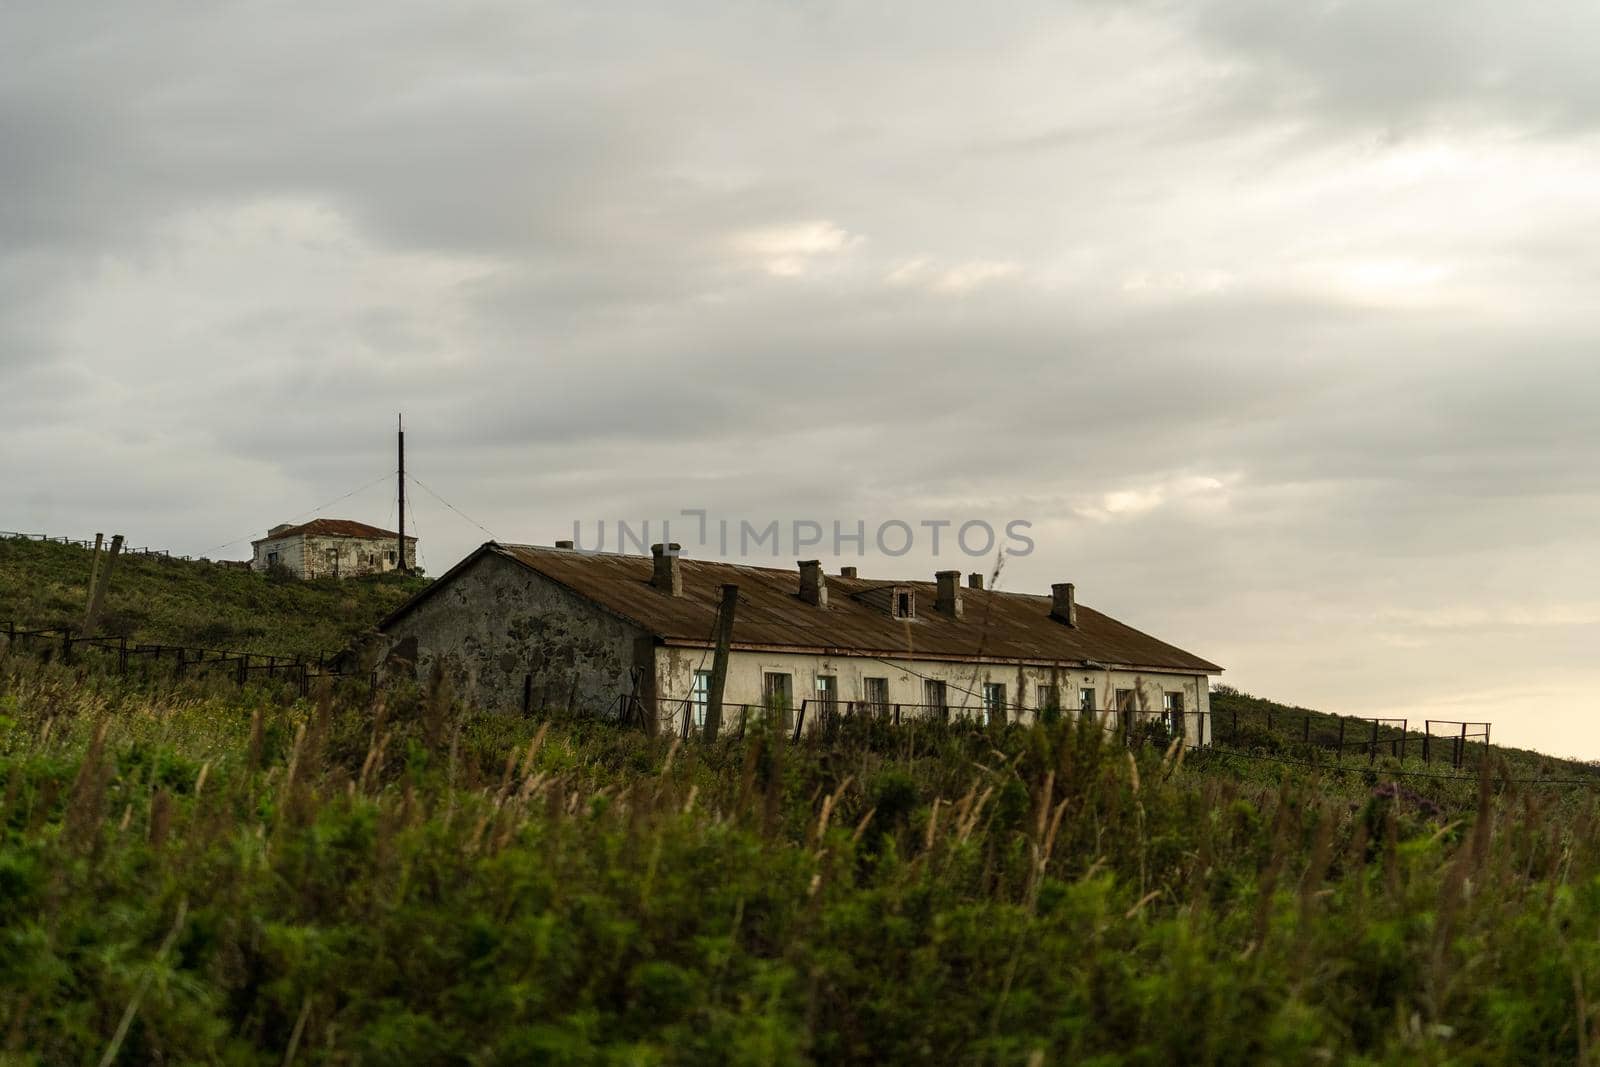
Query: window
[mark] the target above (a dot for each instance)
(994, 701)
(1125, 700)
(700, 696)
(272, 559)
(827, 693)
(1049, 698)
(1174, 708)
(905, 604)
(777, 693)
(936, 695)
(1086, 701)
(875, 693)
(391, 556)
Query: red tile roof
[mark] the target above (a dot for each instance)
(332, 528)
(995, 626)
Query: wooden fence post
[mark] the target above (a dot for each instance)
(719, 663)
(94, 582)
(97, 595)
(1372, 745)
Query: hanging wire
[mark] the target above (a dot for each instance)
(416, 528)
(983, 636)
(392, 496)
(424, 486)
(313, 511)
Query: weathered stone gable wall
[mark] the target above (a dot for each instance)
(500, 630)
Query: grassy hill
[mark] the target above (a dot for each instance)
(189, 603)
(1267, 727)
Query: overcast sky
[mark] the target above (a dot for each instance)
(1277, 321)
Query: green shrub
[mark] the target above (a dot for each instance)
(408, 881)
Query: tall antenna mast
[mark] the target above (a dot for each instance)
(400, 426)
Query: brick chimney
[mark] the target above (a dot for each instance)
(1064, 603)
(847, 572)
(975, 580)
(813, 583)
(949, 598)
(667, 577)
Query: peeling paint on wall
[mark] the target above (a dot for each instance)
(905, 681)
(313, 556)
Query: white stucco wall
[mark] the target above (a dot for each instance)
(290, 552)
(318, 556)
(964, 682)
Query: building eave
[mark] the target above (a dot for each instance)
(945, 657)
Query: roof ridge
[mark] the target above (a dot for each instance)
(1019, 629)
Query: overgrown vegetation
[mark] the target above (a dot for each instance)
(194, 872)
(208, 875)
(183, 603)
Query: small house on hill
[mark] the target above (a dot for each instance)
(525, 627)
(331, 548)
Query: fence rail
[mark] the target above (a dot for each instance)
(1448, 739)
(1439, 739)
(64, 643)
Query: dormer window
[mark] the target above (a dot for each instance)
(903, 602)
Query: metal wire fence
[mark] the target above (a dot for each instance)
(1451, 741)
(146, 552)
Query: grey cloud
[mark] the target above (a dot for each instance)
(1401, 68)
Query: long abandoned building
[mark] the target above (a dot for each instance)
(520, 628)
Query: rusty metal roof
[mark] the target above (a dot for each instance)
(332, 528)
(995, 626)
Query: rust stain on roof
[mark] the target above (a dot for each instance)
(995, 625)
